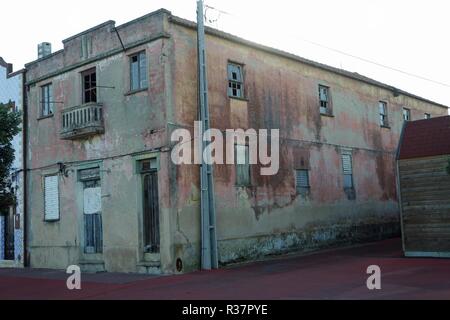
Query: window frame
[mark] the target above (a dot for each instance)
(44, 104)
(383, 118)
(427, 116)
(327, 109)
(408, 113)
(89, 72)
(237, 82)
(140, 78)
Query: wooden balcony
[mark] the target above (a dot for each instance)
(82, 121)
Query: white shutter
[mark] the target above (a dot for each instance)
(347, 163)
(51, 198)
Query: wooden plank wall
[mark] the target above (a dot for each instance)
(425, 195)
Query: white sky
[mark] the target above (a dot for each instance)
(409, 35)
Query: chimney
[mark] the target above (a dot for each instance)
(44, 49)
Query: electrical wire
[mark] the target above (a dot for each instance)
(349, 54)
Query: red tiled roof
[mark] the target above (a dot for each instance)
(426, 138)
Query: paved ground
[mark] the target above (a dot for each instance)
(335, 274)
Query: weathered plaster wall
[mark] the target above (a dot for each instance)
(269, 217)
(135, 126)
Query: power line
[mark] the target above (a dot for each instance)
(349, 54)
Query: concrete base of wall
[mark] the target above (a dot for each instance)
(239, 250)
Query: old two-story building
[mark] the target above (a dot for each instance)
(12, 218)
(104, 193)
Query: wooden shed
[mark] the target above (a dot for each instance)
(423, 179)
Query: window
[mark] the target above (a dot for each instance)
(325, 101)
(347, 168)
(89, 86)
(51, 198)
(46, 100)
(427, 116)
(138, 71)
(235, 81)
(150, 221)
(242, 166)
(383, 114)
(302, 181)
(406, 114)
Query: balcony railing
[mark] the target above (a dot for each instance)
(82, 121)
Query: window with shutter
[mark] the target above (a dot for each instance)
(46, 100)
(302, 179)
(51, 198)
(138, 71)
(347, 167)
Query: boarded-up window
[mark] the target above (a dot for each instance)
(51, 198)
(242, 166)
(235, 81)
(347, 166)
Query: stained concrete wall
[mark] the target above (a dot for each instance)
(266, 218)
(11, 89)
(282, 93)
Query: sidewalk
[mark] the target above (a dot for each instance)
(334, 274)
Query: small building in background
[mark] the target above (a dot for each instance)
(11, 217)
(424, 183)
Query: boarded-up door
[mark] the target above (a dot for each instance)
(92, 209)
(151, 212)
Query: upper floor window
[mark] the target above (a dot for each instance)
(427, 116)
(383, 114)
(46, 100)
(324, 98)
(138, 71)
(406, 114)
(235, 81)
(89, 86)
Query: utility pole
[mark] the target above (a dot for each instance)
(208, 210)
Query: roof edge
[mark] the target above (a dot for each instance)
(342, 72)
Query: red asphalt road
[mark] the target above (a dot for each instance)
(332, 274)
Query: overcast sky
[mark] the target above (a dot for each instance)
(412, 36)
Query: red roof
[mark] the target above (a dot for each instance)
(426, 138)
